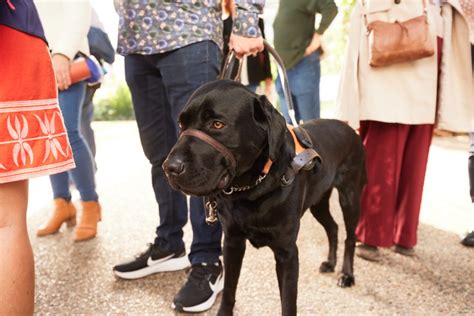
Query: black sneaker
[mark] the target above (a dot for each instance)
(468, 240)
(151, 261)
(199, 293)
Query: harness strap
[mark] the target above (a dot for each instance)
(267, 166)
(305, 158)
(300, 137)
(303, 137)
(298, 147)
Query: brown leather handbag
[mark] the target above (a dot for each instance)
(397, 42)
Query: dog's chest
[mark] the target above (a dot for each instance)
(260, 230)
(262, 236)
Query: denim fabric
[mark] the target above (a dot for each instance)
(87, 117)
(100, 45)
(160, 85)
(252, 87)
(70, 102)
(303, 80)
(23, 18)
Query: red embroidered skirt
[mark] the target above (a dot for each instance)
(33, 139)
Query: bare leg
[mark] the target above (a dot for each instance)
(17, 275)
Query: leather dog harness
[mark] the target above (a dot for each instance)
(305, 158)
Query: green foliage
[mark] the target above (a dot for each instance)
(116, 106)
(335, 38)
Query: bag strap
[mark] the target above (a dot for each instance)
(425, 12)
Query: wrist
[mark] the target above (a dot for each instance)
(60, 56)
(246, 24)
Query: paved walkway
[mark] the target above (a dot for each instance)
(76, 278)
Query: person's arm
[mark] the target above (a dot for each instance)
(61, 70)
(65, 32)
(246, 37)
(328, 10)
(76, 21)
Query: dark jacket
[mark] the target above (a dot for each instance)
(22, 16)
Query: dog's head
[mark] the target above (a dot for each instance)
(225, 129)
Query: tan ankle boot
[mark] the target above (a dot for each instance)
(87, 228)
(64, 211)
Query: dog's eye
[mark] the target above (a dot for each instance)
(180, 125)
(217, 125)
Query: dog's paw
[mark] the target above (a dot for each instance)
(346, 280)
(326, 267)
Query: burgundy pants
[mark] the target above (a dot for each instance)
(397, 155)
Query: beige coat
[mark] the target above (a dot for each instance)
(65, 25)
(456, 93)
(401, 93)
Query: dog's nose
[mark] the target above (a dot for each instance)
(174, 166)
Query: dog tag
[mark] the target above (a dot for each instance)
(211, 212)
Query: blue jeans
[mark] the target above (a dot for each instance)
(303, 80)
(160, 85)
(70, 102)
(252, 87)
(87, 117)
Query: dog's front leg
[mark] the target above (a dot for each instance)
(287, 268)
(234, 250)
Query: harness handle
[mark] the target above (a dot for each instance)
(229, 65)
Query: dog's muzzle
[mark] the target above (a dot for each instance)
(212, 142)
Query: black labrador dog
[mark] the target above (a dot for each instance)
(228, 136)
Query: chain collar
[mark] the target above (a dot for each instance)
(234, 189)
(211, 203)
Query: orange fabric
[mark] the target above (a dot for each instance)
(79, 70)
(298, 147)
(33, 139)
(267, 166)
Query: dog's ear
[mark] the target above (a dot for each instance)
(273, 122)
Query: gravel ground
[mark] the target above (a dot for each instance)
(77, 278)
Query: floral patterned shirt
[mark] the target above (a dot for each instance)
(157, 26)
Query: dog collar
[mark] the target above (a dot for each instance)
(263, 174)
(305, 158)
